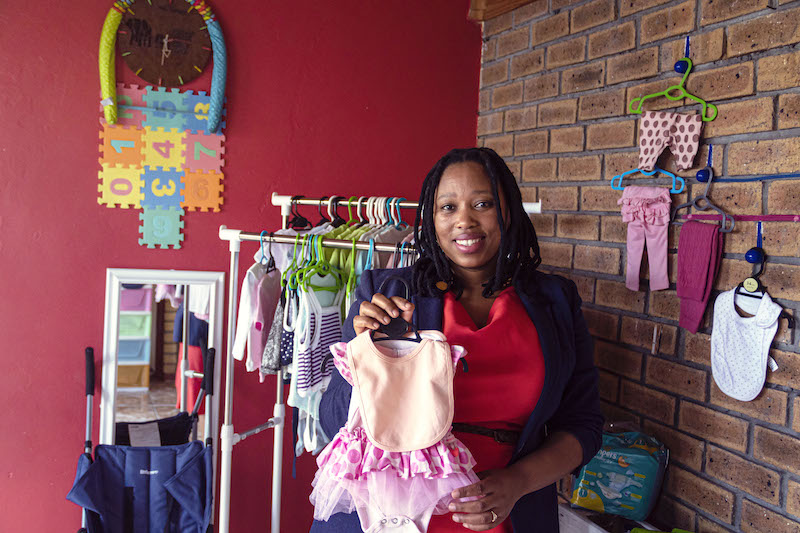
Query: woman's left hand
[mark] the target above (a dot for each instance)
(497, 492)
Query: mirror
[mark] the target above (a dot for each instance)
(141, 380)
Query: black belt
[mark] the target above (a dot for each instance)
(503, 436)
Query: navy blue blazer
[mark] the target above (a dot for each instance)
(569, 400)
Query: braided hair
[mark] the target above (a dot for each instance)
(519, 248)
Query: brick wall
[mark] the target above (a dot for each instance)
(555, 82)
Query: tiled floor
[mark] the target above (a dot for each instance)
(144, 406)
(141, 406)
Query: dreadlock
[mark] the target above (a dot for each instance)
(519, 248)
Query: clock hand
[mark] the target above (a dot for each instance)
(165, 51)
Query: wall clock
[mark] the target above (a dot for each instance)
(159, 56)
(164, 42)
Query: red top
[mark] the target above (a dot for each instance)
(502, 386)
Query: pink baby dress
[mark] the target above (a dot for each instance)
(395, 490)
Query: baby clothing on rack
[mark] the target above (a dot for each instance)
(740, 345)
(395, 461)
(699, 258)
(260, 292)
(659, 129)
(646, 210)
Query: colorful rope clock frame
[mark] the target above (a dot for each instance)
(108, 39)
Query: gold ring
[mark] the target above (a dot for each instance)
(494, 516)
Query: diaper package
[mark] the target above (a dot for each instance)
(625, 476)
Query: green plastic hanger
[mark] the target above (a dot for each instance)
(678, 92)
(292, 265)
(320, 267)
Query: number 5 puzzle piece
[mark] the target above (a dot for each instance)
(121, 145)
(161, 227)
(203, 152)
(164, 108)
(121, 186)
(202, 190)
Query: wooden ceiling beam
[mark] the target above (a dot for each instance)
(481, 10)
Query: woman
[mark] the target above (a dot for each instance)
(528, 407)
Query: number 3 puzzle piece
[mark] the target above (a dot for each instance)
(161, 227)
(162, 188)
(202, 190)
(121, 186)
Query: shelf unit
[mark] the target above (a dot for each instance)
(136, 337)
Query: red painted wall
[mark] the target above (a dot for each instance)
(349, 97)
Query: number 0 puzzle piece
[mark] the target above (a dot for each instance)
(162, 188)
(121, 145)
(121, 186)
(203, 152)
(163, 148)
(202, 190)
(161, 227)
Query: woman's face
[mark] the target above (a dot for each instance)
(465, 218)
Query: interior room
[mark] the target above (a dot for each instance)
(655, 147)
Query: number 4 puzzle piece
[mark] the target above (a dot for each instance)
(161, 227)
(202, 190)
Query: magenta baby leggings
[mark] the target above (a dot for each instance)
(646, 210)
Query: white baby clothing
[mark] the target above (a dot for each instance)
(740, 345)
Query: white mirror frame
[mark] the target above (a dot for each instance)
(115, 277)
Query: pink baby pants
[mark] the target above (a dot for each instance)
(646, 210)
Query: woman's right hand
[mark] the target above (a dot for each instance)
(371, 315)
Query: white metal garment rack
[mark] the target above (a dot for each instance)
(227, 436)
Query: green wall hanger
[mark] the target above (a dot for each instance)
(677, 92)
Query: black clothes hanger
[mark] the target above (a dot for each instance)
(702, 203)
(298, 221)
(397, 326)
(337, 220)
(322, 219)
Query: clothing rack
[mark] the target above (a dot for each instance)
(227, 436)
(285, 202)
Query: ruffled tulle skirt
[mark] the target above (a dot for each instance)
(354, 474)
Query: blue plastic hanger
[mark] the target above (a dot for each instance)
(616, 181)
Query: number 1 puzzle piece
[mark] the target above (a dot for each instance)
(121, 186)
(161, 227)
(121, 145)
(202, 190)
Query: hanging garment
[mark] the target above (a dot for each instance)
(646, 210)
(659, 129)
(258, 297)
(318, 328)
(699, 258)
(394, 490)
(740, 345)
(271, 359)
